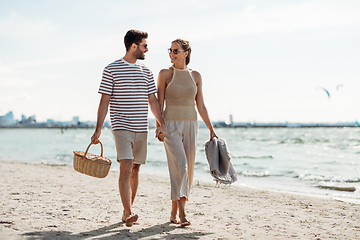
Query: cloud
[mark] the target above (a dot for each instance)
(255, 19)
(16, 26)
(15, 82)
(19, 97)
(11, 78)
(308, 15)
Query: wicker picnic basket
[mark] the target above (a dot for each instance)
(91, 164)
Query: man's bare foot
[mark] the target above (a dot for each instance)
(132, 219)
(123, 219)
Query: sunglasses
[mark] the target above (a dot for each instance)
(175, 51)
(145, 46)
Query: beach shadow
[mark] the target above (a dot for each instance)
(112, 233)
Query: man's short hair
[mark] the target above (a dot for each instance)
(134, 36)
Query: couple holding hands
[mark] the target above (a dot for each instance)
(129, 88)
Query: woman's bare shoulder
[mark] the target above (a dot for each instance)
(166, 71)
(165, 75)
(195, 74)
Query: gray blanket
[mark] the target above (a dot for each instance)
(218, 156)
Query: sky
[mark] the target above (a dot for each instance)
(260, 61)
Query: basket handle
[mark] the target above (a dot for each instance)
(89, 147)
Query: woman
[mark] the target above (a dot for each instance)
(180, 88)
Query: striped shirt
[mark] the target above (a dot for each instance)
(129, 85)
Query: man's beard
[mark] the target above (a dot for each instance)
(139, 54)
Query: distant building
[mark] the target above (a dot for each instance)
(50, 121)
(220, 124)
(75, 122)
(7, 120)
(27, 121)
(230, 122)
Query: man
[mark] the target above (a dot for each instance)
(129, 88)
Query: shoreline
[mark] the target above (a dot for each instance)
(320, 191)
(41, 201)
(341, 192)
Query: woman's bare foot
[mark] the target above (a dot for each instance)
(174, 220)
(184, 222)
(181, 205)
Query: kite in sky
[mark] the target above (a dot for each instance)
(327, 92)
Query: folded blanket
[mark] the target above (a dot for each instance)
(218, 156)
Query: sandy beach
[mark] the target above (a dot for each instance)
(40, 201)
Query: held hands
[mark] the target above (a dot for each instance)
(160, 133)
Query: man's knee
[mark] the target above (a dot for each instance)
(136, 167)
(126, 166)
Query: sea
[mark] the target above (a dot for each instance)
(313, 161)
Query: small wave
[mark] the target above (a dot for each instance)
(292, 140)
(266, 174)
(355, 180)
(320, 178)
(261, 140)
(291, 174)
(315, 140)
(255, 174)
(254, 157)
(340, 188)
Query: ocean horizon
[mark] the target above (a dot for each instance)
(8, 121)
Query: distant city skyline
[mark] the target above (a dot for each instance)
(260, 61)
(8, 120)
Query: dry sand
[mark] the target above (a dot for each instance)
(56, 202)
